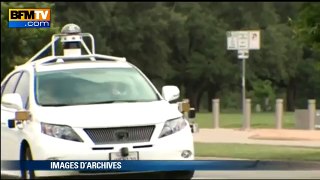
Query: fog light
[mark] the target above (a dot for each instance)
(186, 154)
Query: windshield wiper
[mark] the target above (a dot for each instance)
(112, 101)
(55, 105)
(116, 101)
(100, 102)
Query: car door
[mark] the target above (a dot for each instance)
(22, 89)
(8, 136)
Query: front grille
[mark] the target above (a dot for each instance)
(120, 135)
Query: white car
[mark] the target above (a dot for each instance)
(88, 107)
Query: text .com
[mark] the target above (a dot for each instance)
(37, 24)
(29, 24)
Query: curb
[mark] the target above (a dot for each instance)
(260, 142)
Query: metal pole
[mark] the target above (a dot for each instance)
(244, 94)
(312, 113)
(248, 114)
(216, 111)
(279, 113)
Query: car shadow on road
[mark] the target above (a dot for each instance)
(118, 176)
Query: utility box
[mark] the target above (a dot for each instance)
(318, 119)
(301, 117)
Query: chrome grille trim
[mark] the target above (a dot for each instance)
(120, 135)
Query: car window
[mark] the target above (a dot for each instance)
(10, 86)
(91, 86)
(23, 88)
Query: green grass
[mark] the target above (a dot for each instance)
(258, 152)
(234, 120)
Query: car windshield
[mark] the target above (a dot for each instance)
(92, 86)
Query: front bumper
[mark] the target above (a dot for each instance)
(166, 148)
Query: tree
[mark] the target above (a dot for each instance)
(307, 31)
(198, 50)
(136, 31)
(185, 44)
(18, 45)
(307, 25)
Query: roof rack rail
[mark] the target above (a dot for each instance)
(72, 39)
(92, 57)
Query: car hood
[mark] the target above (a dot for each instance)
(109, 115)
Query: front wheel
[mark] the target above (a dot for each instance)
(25, 173)
(180, 175)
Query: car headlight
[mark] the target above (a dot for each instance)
(173, 126)
(60, 131)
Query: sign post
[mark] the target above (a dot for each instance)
(243, 41)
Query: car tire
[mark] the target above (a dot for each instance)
(180, 175)
(27, 174)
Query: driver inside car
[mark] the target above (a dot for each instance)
(47, 94)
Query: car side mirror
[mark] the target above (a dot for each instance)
(170, 93)
(12, 100)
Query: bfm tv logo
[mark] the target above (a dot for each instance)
(29, 18)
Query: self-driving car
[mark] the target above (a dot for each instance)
(78, 106)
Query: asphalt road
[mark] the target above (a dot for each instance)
(315, 174)
(262, 170)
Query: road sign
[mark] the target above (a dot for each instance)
(254, 41)
(232, 40)
(243, 40)
(243, 54)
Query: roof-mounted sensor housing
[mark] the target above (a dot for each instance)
(71, 38)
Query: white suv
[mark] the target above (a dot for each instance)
(88, 107)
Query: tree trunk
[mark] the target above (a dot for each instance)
(189, 93)
(291, 92)
(193, 100)
(210, 97)
(194, 92)
(199, 96)
(212, 92)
